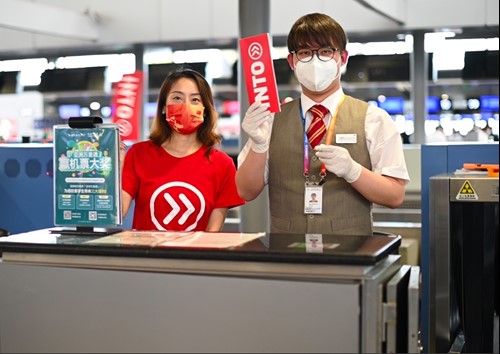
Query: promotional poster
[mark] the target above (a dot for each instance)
(87, 188)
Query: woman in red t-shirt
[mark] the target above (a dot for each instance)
(178, 179)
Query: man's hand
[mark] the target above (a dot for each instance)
(337, 160)
(257, 125)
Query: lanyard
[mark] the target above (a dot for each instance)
(329, 138)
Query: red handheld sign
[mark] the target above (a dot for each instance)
(258, 69)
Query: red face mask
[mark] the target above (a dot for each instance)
(184, 118)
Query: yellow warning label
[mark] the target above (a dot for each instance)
(466, 192)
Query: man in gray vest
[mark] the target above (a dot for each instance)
(347, 152)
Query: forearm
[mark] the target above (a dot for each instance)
(123, 151)
(216, 220)
(126, 202)
(382, 190)
(250, 175)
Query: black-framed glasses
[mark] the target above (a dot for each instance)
(323, 54)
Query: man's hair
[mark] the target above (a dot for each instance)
(316, 29)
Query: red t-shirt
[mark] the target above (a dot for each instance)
(177, 194)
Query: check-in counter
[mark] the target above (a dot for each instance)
(206, 292)
(26, 187)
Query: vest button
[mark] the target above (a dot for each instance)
(315, 158)
(313, 177)
(311, 216)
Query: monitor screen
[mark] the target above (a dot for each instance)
(79, 79)
(392, 105)
(489, 103)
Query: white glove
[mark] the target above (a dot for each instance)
(257, 125)
(337, 160)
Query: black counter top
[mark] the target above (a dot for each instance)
(262, 247)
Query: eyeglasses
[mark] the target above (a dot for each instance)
(323, 54)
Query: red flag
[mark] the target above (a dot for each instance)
(258, 69)
(126, 103)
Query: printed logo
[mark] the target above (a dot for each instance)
(125, 127)
(255, 51)
(175, 200)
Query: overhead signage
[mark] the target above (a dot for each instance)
(126, 105)
(258, 69)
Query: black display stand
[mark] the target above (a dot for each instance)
(85, 231)
(85, 123)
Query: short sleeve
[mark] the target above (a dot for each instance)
(228, 196)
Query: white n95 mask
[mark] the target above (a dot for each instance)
(317, 75)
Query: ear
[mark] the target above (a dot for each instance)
(289, 58)
(344, 56)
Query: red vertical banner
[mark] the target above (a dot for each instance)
(258, 69)
(127, 103)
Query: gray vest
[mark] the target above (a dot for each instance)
(345, 211)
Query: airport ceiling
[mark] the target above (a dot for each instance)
(382, 36)
(389, 21)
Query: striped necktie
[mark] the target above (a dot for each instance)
(317, 129)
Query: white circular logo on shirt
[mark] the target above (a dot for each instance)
(178, 202)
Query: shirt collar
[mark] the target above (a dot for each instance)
(331, 102)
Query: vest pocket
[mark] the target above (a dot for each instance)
(355, 225)
(279, 224)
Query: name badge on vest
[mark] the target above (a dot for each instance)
(313, 199)
(346, 138)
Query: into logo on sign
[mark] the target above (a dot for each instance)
(259, 83)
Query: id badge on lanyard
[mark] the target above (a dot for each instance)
(313, 199)
(313, 193)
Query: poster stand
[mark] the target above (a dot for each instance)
(85, 231)
(85, 123)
